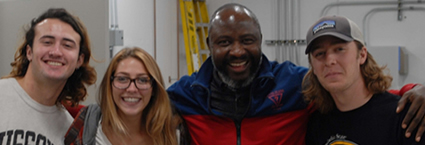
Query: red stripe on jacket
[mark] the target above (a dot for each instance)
(284, 128)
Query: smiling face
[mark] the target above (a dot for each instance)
(55, 51)
(336, 63)
(131, 101)
(235, 45)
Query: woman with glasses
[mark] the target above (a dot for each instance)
(134, 107)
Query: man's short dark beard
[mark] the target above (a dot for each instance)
(232, 84)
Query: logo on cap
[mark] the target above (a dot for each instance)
(323, 25)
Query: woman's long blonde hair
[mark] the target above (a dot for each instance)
(157, 117)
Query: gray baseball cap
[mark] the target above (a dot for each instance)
(337, 26)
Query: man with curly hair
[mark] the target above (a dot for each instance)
(51, 67)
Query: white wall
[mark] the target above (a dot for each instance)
(135, 18)
(157, 35)
(166, 39)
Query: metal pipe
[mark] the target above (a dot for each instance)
(286, 30)
(365, 18)
(327, 7)
(287, 49)
(111, 14)
(278, 55)
(292, 19)
(114, 22)
(111, 22)
(291, 29)
(116, 14)
(296, 30)
(399, 6)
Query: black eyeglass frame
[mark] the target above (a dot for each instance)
(131, 81)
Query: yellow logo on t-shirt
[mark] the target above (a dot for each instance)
(342, 142)
(339, 140)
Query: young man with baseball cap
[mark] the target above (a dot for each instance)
(349, 89)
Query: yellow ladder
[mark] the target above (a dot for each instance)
(195, 19)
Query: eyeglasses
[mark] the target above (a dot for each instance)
(123, 82)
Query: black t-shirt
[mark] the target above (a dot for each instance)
(374, 123)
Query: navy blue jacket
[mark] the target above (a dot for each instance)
(277, 112)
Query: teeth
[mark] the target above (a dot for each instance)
(54, 63)
(132, 100)
(238, 64)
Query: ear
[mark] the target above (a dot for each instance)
(29, 53)
(313, 70)
(80, 60)
(363, 55)
(309, 63)
(261, 38)
(208, 43)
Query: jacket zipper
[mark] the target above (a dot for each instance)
(238, 132)
(237, 124)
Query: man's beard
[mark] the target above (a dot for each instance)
(233, 84)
